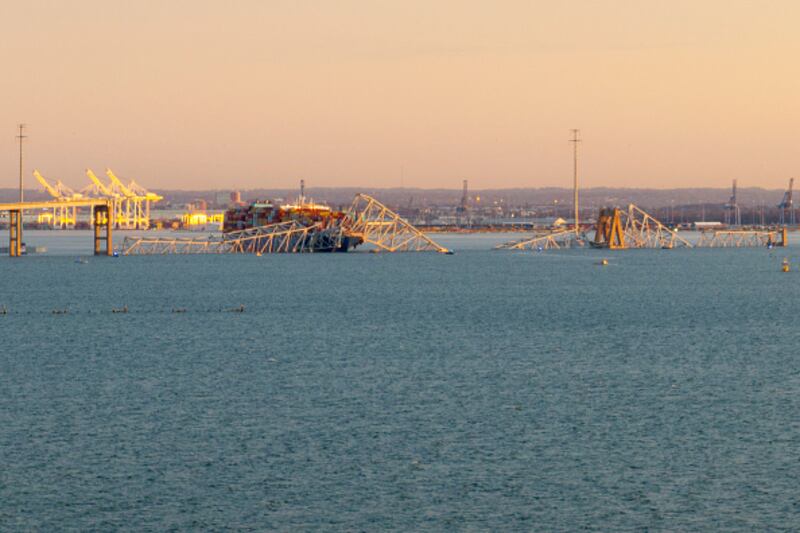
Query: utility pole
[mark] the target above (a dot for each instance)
(575, 140)
(21, 138)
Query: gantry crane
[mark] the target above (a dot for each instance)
(149, 197)
(137, 201)
(131, 212)
(131, 202)
(97, 189)
(64, 216)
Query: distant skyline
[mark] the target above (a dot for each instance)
(258, 94)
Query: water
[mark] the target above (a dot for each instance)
(480, 391)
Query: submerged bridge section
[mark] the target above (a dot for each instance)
(102, 217)
(374, 223)
(284, 237)
(555, 240)
(742, 238)
(367, 222)
(616, 229)
(620, 229)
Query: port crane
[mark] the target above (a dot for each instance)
(133, 212)
(787, 205)
(132, 202)
(97, 189)
(149, 198)
(64, 215)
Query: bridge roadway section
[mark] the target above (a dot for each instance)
(102, 217)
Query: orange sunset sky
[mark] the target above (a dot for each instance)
(222, 94)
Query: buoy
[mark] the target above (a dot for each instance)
(785, 265)
(604, 262)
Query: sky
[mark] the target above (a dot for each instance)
(205, 94)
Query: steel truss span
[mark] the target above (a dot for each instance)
(616, 229)
(641, 230)
(741, 238)
(285, 237)
(368, 221)
(547, 241)
(376, 224)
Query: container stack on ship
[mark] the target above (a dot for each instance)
(326, 224)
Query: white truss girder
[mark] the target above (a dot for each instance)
(547, 241)
(376, 224)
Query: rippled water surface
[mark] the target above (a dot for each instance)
(485, 390)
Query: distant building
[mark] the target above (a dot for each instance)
(198, 205)
(236, 197)
(706, 225)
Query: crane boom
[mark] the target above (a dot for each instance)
(49, 188)
(99, 184)
(138, 189)
(115, 181)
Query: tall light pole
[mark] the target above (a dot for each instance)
(21, 138)
(575, 140)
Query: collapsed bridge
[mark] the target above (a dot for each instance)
(620, 229)
(367, 222)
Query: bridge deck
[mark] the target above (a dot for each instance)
(88, 202)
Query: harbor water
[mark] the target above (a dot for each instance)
(487, 390)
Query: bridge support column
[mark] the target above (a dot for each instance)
(15, 232)
(103, 215)
(609, 233)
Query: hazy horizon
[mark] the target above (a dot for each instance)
(32, 185)
(207, 95)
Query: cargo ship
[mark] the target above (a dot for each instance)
(327, 234)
